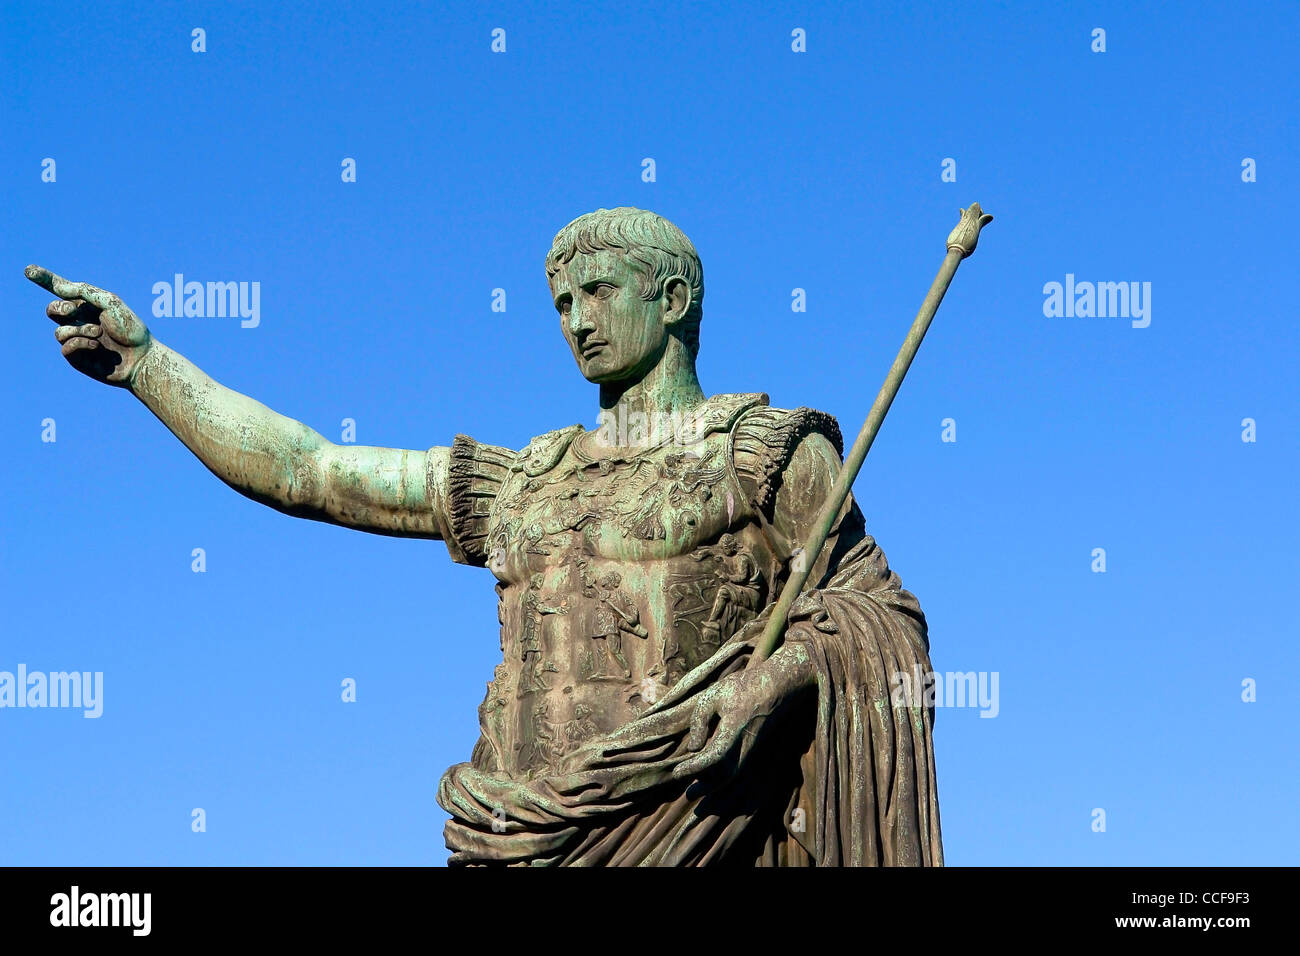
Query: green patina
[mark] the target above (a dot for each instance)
(638, 566)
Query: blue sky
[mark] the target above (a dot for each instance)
(819, 170)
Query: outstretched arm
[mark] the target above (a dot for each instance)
(258, 452)
(284, 463)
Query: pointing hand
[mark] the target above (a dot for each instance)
(100, 335)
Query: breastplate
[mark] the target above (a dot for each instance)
(616, 576)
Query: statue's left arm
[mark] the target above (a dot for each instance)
(831, 691)
(756, 692)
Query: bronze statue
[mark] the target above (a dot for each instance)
(636, 718)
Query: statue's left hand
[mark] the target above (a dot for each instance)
(739, 702)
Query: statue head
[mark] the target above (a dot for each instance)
(627, 284)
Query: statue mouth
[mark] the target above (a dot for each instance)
(592, 346)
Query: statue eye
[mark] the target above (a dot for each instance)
(604, 290)
(565, 305)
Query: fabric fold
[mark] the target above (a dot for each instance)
(840, 776)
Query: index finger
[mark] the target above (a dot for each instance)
(69, 290)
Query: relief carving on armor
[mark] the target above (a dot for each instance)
(739, 595)
(530, 643)
(616, 613)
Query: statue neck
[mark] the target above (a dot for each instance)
(671, 387)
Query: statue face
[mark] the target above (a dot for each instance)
(615, 335)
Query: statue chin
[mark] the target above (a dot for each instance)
(597, 373)
(605, 378)
(599, 369)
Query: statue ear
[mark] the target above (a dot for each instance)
(677, 300)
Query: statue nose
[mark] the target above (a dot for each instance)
(578, 321)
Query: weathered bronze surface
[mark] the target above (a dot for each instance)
(630, 721)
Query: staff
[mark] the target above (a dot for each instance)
(961, 243)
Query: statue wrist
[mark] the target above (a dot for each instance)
(149, 357)
(793, 662)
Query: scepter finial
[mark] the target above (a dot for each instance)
(966, 233)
